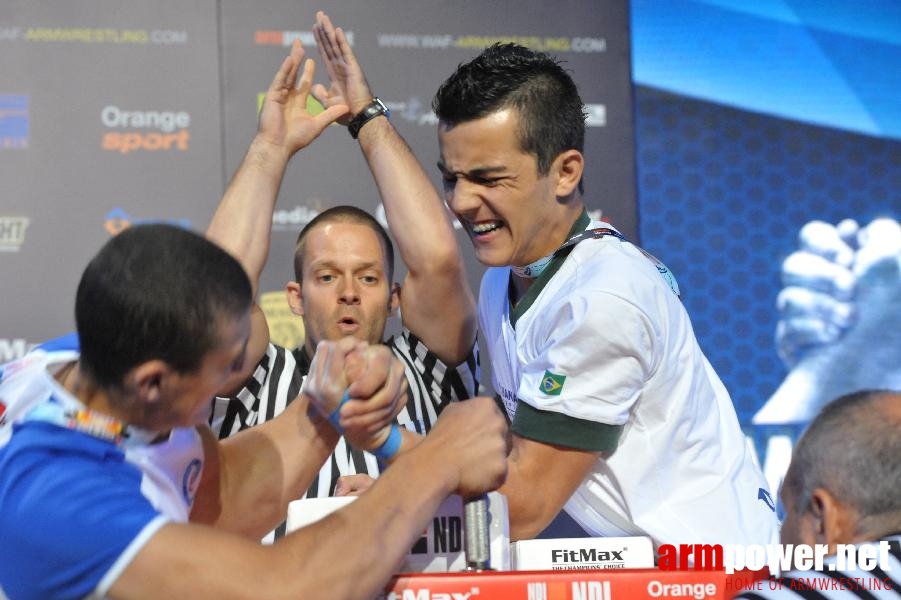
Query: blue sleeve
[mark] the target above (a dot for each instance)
(68, 519)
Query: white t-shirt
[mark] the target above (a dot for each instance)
(600, 355)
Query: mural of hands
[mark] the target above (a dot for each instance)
(840, 317)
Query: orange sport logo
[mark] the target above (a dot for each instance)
(144, 130)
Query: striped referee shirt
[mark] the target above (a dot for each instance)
(276, 381)
(884, 581)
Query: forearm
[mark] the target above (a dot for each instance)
(242, 223)
(383, 524)
(437, 303)
(416, 215)
(349, 554)
(556, 471)
(529, 511)
(266, 467)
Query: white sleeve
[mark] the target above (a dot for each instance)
(593, 355)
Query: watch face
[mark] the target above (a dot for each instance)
(374, 109)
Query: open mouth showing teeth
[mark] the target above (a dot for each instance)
(483, 228)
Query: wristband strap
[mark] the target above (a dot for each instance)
(372, 110)
(390, 446)
(335, 417)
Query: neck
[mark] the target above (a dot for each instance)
(564, 230)
(76, 382)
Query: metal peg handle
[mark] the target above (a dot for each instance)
(476, 543)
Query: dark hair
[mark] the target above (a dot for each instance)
(155, 292)
(551, 113)
(344, 214)
(852, 449)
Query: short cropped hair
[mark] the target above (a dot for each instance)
(155, 292)
(551, 113)
(852, 449)
(344, 214)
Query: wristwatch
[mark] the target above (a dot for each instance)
(372, 110)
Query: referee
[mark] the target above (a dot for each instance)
(344, 264)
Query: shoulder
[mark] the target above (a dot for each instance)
(60, 476)
(78, 511)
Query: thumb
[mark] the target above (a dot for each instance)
(331, 114)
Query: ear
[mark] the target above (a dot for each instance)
(295, 297)
(568, 168)
(394, 300)
(148, 381)
(834, 521)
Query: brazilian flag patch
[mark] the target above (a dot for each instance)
(552, 384)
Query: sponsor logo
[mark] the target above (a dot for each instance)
(413, 110)
(698, 591)
(285, 328)
(777, 557)
(577, 590)
(286, 38)
(95, 35)
(427, 594)
(150, 130)
(117, 221)
(447, 537)
(14, 349)
(13, 121)
(12, 233)
(552, 384)
(587, 558)
(190, 480)
(293, 219)
(445, 41)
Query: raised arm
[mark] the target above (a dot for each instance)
(437, 304)
(242, 223)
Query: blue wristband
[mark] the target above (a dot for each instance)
(335, 417)
(391, 445)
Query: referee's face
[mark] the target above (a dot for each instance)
(345, 290)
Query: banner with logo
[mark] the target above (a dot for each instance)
(407, 49)
(117, 113)
(109, 116)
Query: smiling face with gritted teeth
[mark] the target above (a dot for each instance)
(513, 215)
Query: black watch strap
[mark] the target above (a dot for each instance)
(372, 110)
